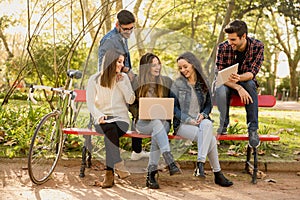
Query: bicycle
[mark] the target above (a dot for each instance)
(47, 140)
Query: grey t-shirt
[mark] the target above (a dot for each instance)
(194, 106)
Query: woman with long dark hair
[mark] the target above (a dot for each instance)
(150, 83)
(191, 114)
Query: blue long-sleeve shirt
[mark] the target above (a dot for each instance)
(113, 40)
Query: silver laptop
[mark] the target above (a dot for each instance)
(156, 108)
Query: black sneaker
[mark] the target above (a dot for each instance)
(253, 139)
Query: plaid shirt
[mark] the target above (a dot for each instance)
(226, 57)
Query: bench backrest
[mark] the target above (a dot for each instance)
(263, 100)
(81, 96)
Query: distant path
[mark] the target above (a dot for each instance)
(287, 105)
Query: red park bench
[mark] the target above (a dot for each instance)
(263, 101)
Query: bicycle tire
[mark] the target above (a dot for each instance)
(45, 148)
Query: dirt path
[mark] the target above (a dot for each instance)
(66, 184)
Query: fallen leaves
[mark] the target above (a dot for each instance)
(261, 152)
(232, 151)
(260, 174)
(2, 133)
(270, 180)
(296, 153)
(275, 155)
(231, 174)
(192, 152)
(10, 143)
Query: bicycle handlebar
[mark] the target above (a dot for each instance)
(30, 96)
(59, 90)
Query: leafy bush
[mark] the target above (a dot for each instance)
(17, 125)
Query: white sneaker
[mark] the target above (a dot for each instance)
(138, 156)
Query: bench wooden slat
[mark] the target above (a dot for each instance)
(245, 137)
(86, 131)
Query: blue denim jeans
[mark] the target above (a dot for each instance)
(206, 142)
(158, 129)
(223, 95)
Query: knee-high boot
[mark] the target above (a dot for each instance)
(173, 169)
(151, 182)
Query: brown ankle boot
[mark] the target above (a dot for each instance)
(108, 181)
(121, 170)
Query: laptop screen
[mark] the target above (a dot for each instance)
(156, 108)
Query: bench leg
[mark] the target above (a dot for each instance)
(86, 161)
(89, 147)
(254, 175)
(247, 164)
(83, 163)
(89, 159)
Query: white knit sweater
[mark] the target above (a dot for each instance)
(113, 101)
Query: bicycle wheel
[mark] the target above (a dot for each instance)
(45, 148)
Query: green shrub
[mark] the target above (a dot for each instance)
(17, 124)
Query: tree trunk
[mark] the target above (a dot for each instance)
(106, 8)
(119, 5)
(293, 79)
(3, 38)
(210, 65)
(139, 40)
(88, 15)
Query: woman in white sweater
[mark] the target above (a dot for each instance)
(108, 94)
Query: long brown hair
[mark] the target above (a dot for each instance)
(145, 77)
(194, 61)
(109, 66)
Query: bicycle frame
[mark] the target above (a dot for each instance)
(47, 141)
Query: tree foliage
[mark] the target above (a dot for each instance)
(58, 39)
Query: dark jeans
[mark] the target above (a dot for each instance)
(136, 143)
(113, 131)
(223, 95)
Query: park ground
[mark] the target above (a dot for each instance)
(66, 184)
(276, 181)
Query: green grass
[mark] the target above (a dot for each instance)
(285, 124)
(17, 123)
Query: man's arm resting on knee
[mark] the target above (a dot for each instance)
(234, 78)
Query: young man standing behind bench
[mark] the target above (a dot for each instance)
(117, 39)
(249, 53)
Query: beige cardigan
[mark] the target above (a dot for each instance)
(113, 101)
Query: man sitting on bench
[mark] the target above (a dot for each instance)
(249, 53)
